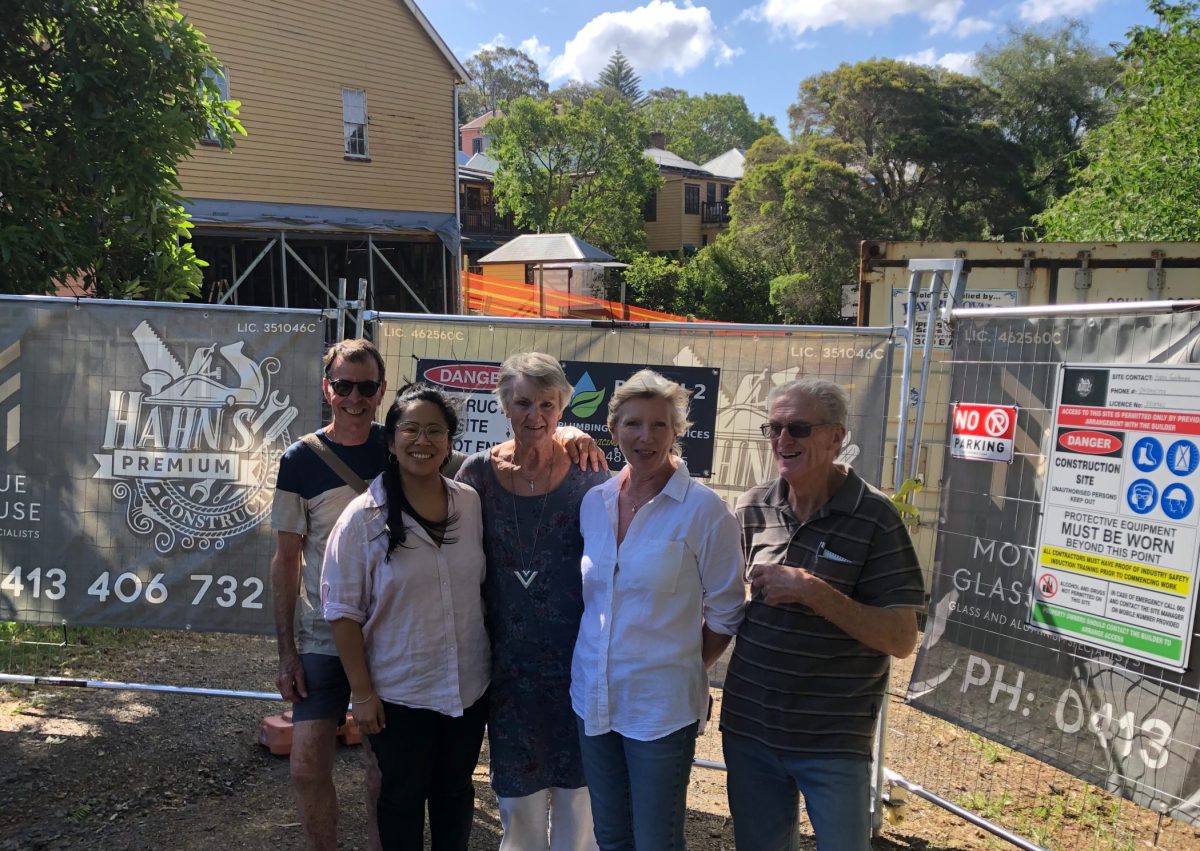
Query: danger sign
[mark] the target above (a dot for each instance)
(983, 432)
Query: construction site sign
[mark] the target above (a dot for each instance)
(138, 458)
(1117, 555)
(484, 424)
(983, 432)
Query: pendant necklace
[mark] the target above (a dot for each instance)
(527, 574)
(644, 502)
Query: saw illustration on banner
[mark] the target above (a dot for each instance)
(194, 453)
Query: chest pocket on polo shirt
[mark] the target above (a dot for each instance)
(653, 566)
(840, 563)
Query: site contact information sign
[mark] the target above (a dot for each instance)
(1117, 553)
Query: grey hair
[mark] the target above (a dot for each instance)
(544, 371)
(648, 384)
(831, 398)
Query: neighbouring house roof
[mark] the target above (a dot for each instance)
(667, 161)
(732, 164)
(482, 120)
(462, 73)
(546, 248)
(482, 162)
(460, 158)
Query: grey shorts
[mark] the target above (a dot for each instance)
(328, 689)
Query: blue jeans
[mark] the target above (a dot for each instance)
(638, 789)
(764, 789)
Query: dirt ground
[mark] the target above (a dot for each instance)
(107, 769)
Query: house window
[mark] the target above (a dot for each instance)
(477, 145)
(220, 78)
(725, 187)
(354, 123)
(691, 199)
(710, 193)
(650, 209)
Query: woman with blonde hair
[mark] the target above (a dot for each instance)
(663, 596)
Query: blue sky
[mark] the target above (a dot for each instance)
(760, 49)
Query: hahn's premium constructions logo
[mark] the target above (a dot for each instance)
(195, 451)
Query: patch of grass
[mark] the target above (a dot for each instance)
(991, 807)
(990, 751)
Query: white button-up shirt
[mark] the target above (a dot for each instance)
(637, 668)
(421, 611)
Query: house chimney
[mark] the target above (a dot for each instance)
(658, 140)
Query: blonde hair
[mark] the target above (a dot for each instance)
(648, 384)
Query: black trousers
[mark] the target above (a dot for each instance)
(426, 756)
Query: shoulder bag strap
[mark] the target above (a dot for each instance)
(335, 463)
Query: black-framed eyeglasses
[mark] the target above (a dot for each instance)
(344, 387)
(794, 429)
(409, 430)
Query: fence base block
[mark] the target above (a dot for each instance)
(275, 733)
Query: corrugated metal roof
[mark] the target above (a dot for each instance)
(481, 120)
(545, 248)
(482, 162)
(732, 163)
(666, 159)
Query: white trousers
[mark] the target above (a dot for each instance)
(550, 820)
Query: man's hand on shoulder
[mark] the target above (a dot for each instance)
(581, 448)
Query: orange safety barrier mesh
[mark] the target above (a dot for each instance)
(494, 297)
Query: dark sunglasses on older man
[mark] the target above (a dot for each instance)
(795, 429)
(344, 387)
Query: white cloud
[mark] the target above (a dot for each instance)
(532, 47)
(1040, 11)
(653, 37)
(498, 40)
(540, 53)
(797, 18)
(963, 63)
(970, 26)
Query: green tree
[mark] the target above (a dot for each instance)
(803, 216)
(655, 281)
(498, 75)
(928, 142)
(1051, 89)
(619, 76)
(577, 169)
(729, 284)
(98, 102)
(574, 92)
(705, 126)
(1140, 177)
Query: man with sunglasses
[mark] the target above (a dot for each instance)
(835, 587)
(309, 498)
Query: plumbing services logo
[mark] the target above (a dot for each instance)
(195, 452)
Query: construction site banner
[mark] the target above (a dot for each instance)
(1042, 613)
(730, 369)
(140, 444)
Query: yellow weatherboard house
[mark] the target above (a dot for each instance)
(348, 168)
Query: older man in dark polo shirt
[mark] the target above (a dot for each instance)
(835, 587)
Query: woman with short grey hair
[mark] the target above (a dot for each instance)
(530, 492)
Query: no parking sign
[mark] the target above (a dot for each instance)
(983, 432)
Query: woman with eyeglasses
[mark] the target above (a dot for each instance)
(402, 587)
(531, 492)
